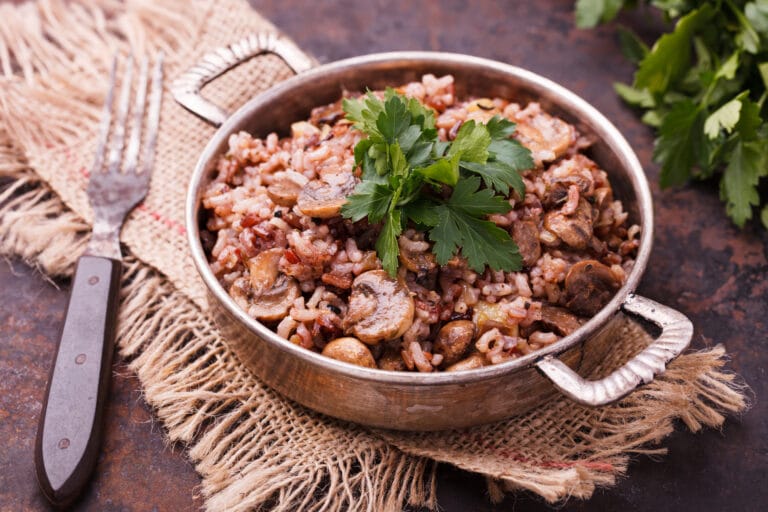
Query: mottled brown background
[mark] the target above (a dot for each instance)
(701, 265)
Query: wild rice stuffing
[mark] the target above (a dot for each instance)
(279, 245)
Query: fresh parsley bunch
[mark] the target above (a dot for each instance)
(410, 175)
(703, 87)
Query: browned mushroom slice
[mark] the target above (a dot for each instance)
(559, 320)
(327, 114)
(413, 258)
(380, 308)
(273, 303)
(350, 350)
(273, 293)
(575, 229)
(453, 340)
(470, 363)
(263, 269)
(589, 285)
(392, 360)
(526, 236)
(324, 197)
(546, 136)
(285, 187)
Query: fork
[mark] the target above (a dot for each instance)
(69, 432)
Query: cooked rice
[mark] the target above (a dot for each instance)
(251, 208)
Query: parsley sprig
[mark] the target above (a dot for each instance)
(703, 86)
(410, 175)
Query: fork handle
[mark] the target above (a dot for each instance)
(69, 433)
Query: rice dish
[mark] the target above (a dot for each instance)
(278, 244)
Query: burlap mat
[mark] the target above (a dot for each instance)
(253, 448)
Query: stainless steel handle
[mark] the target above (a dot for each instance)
(676, 334)
(186, 88)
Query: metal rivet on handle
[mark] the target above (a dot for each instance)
(93, 280)
(64, 443)
(80, 359)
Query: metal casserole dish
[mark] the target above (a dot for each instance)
(416, 401)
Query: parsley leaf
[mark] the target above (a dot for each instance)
(635, 97)
(402, 161)
(757, 14)
(498, 176)
(471, 143)
(386, 245)
(724, 118)
(511, 153)
(708, 107)
(370, 200)
(631, 46)
(739, 186)
(500, 128)
(669, 58)
(679, 142)
(442, 171)
(393, 120)
(480, 241)
(423, 212)
(591, 12)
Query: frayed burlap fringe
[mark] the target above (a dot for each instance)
(25, 203)
(254, 449)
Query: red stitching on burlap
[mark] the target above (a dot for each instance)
(496, 449)
(163, 219)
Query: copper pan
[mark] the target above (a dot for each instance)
(417, 401)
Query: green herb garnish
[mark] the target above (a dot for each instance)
(703, 87)
(410, 175)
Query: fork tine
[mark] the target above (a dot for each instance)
(116, 150)
(132, 153)
(153, 118)
(106, 120)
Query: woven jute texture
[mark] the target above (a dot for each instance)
(253, 448)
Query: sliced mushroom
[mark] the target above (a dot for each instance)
(392, 360)
(526, 236)
(327, 114)
(559, 320)
(324, 197)
(470, 363)
(418, 261)
(285, 187)
(264, 268)
(556, 194)
(380, 308)
(453, 340)
(481, 104)
(546, 136)
(575, 229)
(350, 350)
(273, 292)
(561, 176)
(589, 285)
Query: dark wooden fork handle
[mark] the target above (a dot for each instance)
(69, 433)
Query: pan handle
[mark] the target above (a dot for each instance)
(186, 88)
(676, 334)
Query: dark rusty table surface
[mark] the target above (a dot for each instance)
(701, 265)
